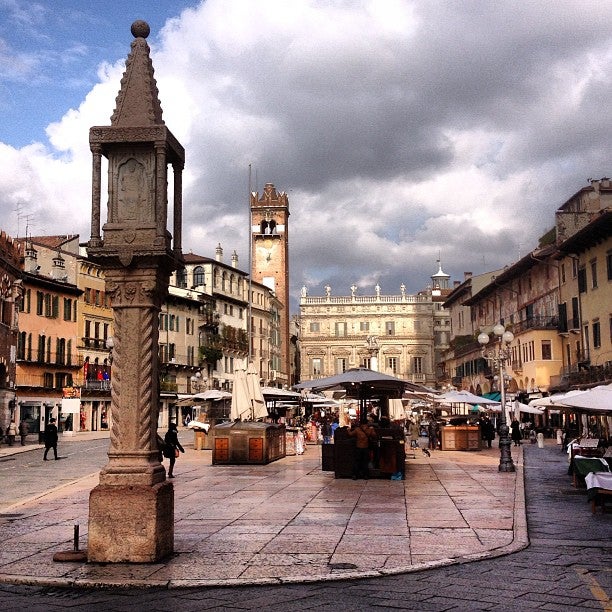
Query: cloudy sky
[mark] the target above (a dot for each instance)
(402, 131)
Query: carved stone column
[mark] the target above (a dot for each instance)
(131, 511)
(131, 516)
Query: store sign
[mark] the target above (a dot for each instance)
(71, 393)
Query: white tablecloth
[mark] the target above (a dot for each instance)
(599, 480)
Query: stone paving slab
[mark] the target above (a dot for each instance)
(287, 522)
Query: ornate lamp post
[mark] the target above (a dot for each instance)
(197, 382)
(498, 356)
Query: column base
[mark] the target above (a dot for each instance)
(131, 524)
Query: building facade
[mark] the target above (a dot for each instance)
(11, 287)
(555, 300)
(47, 354)
(393, 334)
(94, 346)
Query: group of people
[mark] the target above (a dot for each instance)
(11, 432)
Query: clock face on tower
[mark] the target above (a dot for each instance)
(266, 249)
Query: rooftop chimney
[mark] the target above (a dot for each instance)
(219, 253)
(234, 259)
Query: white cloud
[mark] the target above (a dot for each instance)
(401, 130)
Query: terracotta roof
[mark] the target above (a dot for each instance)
(51, 242)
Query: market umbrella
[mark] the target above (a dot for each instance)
(597, 400)
(187, 401)
(520, 407)
(463, 397)
(279, 394)
(361, 383)
(553, 400)
(256, 398)
(241, 402)
(212, 394)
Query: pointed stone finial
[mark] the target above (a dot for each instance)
(137, 104)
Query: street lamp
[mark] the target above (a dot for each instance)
(498, 356)
(198, 382)
(195, 381)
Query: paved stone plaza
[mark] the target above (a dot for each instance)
(288, 521)
(566, 566)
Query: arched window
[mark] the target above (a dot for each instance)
(198, 276)
(224, 281)
(232, 283)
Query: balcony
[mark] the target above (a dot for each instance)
(97, 385)
(591, 375)
(70, 362)
(534, 323)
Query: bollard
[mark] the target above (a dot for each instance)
(540, 440)
(72, 555)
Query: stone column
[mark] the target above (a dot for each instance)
(132, 485)
(131, 511)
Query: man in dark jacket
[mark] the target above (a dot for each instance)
(50, 438)
(172, 447)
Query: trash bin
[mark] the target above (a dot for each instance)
(540, 440)
(327, 458)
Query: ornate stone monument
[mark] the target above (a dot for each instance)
(131, 511)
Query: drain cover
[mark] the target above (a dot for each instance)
(341, 566)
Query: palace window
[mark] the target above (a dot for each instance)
(392, 364)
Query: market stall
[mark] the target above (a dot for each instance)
(247, 442)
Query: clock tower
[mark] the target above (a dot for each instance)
(270, 265)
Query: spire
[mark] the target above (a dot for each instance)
(137, 103)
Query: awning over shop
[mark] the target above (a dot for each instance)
(494, 395)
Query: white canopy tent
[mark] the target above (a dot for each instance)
(463, 397)
(597, 400)
(520, 407)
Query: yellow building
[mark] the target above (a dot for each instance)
(585, 262)
(555, 300)
(47, 354)
(94, 340)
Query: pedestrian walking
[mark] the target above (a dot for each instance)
(172, 446)
(11, 432)
(50, 439)
(488, 430)
(432, 433)
(516, 435)
(414, 432)
(23, 431)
